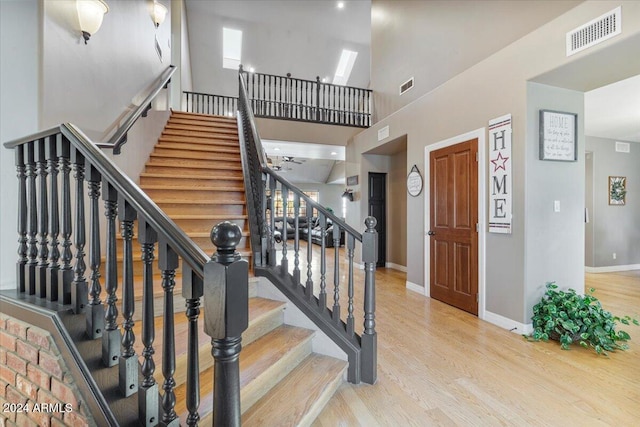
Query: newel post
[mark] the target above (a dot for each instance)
(369, 336)
(226, 316)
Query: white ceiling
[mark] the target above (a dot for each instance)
(613, 111)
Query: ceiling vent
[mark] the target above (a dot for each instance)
(623, 147)
(406, 86)
(595, 31)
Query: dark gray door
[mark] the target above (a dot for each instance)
(378, 210)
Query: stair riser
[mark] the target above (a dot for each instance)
(192, 182)
(173, 139)
(202, 209)
(210, 164)
(204, 125)
(190, 127)
(195, 195)
(198, 225)
(186, 168)
(212, 147)
(187, 154)
(227, 184)
(196, 134)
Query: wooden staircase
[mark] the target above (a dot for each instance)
(195, 175)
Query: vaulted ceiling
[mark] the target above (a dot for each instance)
(305, 38)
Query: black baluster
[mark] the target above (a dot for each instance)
(192, 291)
(54, 222)
(226, 305)
(168, 262)
(32, 220)
(272, 225)
(308, 290)
(317, 104)
(148, 413)
(95, 310)
(322, 298)
(284, 263)
(296, 241)
(335, 311)
(65, 274)
(351, 244)
(22, 217)
(79, 284)
(111, 336)
(369, 340)
(128, 365)
(43, 220)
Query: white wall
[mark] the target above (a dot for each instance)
(19, 85)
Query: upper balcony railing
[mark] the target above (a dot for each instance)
(289, 98)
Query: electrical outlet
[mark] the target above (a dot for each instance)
(556, 205)
(614, 255)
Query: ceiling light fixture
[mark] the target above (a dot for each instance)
(340, 5)
(90, 14)
(158, 14)
(252, 70)
(276, 149)
(333, 153)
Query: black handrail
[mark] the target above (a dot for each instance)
(261, 183)
(119, 137)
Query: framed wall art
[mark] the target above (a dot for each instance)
(558, 136)
(617, 190)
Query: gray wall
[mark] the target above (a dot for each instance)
(407, 36)
(554, 241)
(330, 195)
(19, 85)
(614, 228)
(397, 209)
(588, 203)
(490, 89)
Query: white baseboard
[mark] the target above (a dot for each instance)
(396, 266)
(506, 323)
(414, 287)
(612, 268)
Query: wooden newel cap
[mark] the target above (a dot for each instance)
(370, 222)
(226, 236)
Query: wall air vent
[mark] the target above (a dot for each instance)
(406, 86)
(595, 31)
(623, 147)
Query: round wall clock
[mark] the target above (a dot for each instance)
(414, 182)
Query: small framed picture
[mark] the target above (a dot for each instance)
(617, 190)
(558, 136)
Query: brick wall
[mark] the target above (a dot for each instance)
(36, 387)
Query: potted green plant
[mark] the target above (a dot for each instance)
(568, 317)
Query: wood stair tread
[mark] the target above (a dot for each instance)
(214, 128)
(203, 123)
(191, 176)
(191, 187)
(200, 116)
(199, 147)
(298, 398)
(196, 166)
(159, 201)
(193, 155)
(264, 361)
(208, 216)
(223, 142)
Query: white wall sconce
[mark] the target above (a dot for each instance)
(158, 14)
(90, 14)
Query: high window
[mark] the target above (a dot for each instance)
(231, 48)
(343, 71)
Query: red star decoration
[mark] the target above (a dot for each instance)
(498, 160)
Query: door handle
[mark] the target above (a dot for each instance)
(431, 233)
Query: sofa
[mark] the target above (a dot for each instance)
(316, 230)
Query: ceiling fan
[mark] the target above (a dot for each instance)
(280, 168)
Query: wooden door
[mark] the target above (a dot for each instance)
(453, 228)
(378, 210)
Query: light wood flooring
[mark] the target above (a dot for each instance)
(441, 366)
